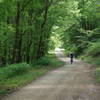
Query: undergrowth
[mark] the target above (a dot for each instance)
(17, 75)
(92, 56)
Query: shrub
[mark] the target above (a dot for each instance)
(97, 74)
(94, 50)
(48, 60)
(44, 61)
(93, 56)
(14, 70)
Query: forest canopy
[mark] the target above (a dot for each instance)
(30, 28)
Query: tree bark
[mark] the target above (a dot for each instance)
(17, 43)
(41, 41)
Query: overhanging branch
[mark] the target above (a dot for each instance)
(26, 4)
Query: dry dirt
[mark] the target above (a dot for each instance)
(70, 82)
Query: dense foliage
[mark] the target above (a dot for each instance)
(78, 26)
(24, 30)
(29, 28)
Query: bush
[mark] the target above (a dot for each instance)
(96, 61)
(97, 74)
(49, 60)
(93, 57)
(14, 70)
(94, 50)
(44, 61)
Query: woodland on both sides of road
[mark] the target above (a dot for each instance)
(31, 28)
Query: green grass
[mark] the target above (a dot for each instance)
(17, 75)
(95, 62)
(92, 56)
(97, 75)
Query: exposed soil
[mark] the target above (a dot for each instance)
(70, 82)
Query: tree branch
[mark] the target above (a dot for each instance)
(26, 4)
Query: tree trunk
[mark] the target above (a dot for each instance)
(41, 41)
(18, 40)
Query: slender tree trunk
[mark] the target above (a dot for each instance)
(17, 43)
(41, 43)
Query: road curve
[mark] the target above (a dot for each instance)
(70, 82)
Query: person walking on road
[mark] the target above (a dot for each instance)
(71, 58)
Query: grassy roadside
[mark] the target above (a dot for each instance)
(14, 76)
(92, 56)
(95, 62)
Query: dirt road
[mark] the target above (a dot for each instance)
(70, 82)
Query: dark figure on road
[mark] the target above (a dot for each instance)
(71, 58)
